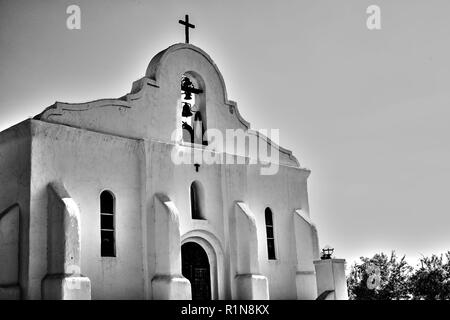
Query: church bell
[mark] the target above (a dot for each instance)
(187, 86)
(187, 112)
(187, 95)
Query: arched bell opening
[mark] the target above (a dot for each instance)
(193, 108)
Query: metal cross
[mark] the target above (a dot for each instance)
(187, 25)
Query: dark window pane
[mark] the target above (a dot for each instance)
(106, 221)
(194, 210)
(268, 215)
(195, 202)
(269, 231)
(106, 202)
(107, 244)
(271, 249)
(269, 234)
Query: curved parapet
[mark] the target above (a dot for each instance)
(151, 102)
(153, 108)
(58, 109)
(286, 156)
(156, 65)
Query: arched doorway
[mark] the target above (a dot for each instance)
(195, 267)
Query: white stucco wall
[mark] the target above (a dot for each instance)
(124, 145)
(282, 193)
(15, 146)
(89, 163)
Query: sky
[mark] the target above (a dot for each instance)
(367, 111)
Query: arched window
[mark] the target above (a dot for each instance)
(197, 200)
(270, 235)
(107, 224)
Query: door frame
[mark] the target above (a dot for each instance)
(215, 261)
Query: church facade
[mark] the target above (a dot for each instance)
(94, 204)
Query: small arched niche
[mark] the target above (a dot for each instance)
(197, 196)
(193, 108)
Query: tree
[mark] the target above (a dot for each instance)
(379, 278)
(432, 280)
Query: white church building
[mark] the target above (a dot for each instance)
(94, 205)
